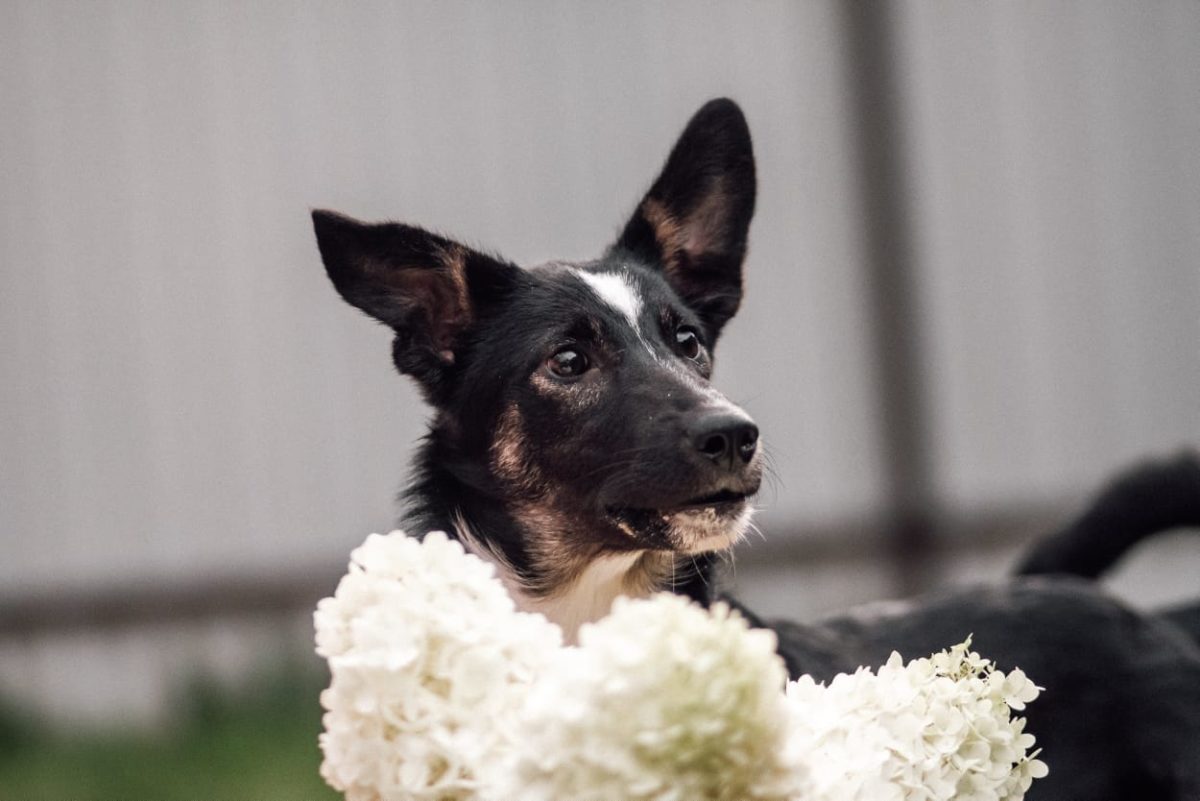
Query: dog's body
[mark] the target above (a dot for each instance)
(578, 445)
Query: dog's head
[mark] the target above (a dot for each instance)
(576, 396)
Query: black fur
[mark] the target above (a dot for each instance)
(551, 471)
(1120, 714)
(1150, 498)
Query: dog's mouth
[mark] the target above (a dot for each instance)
(719, 502)
(708, 522)
(715, 500)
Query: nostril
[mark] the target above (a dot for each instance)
(747, 442)
(715, 446)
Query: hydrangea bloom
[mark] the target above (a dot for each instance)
(428, 661)
(441, 690)
(936, 728)
(661, 700)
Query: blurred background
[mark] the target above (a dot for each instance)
(973, 294)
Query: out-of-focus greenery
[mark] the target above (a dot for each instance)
(257, 743)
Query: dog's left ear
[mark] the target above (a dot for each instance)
(428, 289)
(694, 221)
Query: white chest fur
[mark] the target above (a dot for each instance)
(590, 596)
(587, 598)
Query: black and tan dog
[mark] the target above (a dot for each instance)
(579, 446)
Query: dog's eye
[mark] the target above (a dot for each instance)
(688, 341)
(568, 363)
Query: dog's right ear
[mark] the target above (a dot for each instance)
(427, 288)
(694, 221)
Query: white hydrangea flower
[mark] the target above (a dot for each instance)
(441, 690)
(936, 728)
(661, 700)
(429, 661)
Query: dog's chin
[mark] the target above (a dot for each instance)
(693, 528)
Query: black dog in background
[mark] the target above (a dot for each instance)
(1120, 715)
(578, 444)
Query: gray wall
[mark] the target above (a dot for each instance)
(1056, 196)
(185, 399)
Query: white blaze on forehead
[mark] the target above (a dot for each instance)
(617, 291)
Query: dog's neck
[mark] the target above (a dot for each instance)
(585, 597)
(568, 587)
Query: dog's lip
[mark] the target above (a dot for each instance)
(722, 500)
(723, 497)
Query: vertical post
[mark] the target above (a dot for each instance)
(874, 83)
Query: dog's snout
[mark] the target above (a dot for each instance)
(725, 439)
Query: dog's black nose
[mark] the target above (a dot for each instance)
(725, 438)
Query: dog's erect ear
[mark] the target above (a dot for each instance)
(694, 220)
(427, 288)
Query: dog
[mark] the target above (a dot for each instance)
(578, 445)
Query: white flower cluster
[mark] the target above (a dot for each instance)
(441, 690)
(936, 728)
(661, 701)
(428, 661)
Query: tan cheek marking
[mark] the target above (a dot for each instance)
(544, 384)
(575, 397)
(509, 460)
(546, 531)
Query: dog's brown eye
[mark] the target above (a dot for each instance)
(688, 341)
(568, 363)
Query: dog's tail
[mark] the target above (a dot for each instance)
(1153, 497)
